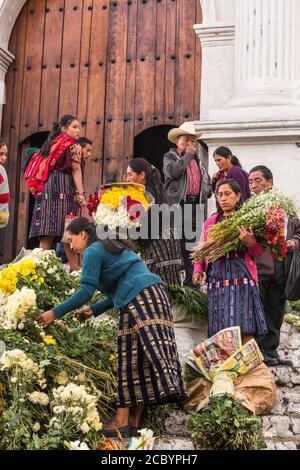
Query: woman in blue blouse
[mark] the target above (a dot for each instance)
(149, 371)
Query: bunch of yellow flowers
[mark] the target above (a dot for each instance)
(114, 196)
(9, 275)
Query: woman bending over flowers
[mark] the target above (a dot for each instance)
(148, 366)
(233, 294)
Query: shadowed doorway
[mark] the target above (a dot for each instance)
(152, 144)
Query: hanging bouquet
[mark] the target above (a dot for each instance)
(265, 213)
(119, 205)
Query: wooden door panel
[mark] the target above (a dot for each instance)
(145, 66)
(96, 90)
(51, 67)
(129, 113)
(171, 49)
(70, 62)
(33, 68)
(160, 62)
(116, 86)
(85, 63)
(184, 77)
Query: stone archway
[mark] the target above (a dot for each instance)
(9, 12)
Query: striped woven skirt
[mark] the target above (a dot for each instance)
(149, 370)
(233, 298)
(163, 257)
(53, 204)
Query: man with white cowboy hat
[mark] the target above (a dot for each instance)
(186, 182)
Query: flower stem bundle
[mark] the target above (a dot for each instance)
(265, 213)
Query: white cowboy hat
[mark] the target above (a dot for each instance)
(187, 128)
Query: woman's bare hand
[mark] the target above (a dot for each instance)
(247, 237)
(199, 278)
(84, 313)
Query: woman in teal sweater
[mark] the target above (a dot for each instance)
(149, 371)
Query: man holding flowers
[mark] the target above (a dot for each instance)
(273, 274)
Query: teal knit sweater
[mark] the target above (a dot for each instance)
(119, 277)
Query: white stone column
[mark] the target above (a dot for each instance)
(267, 58)
(253, 85)
(216, 35)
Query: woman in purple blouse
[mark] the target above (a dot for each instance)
(230, 168)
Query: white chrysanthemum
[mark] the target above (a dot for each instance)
(75, 400)
(84, 427)
(39, 398)
(20, 303)
(36, 427)
(113, 218)
(62, 378)
(11, 358)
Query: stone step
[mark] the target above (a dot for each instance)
(282, 427)
(169, 443)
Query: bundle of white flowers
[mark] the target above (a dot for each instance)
(114, 218)
(17, 306)
(39, 398)
(39, 256)
(16, 360)
(75, 402)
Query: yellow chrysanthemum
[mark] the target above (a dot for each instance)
(115, 195)
(49, 340)
(42, 280)
(113, 360)
(8, 280)
(26, 267)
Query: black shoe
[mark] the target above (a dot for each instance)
(125, 431)
(271, 361)
(285, 362)
(134, 431)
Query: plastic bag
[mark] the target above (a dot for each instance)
(292, 288)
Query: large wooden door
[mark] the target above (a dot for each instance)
(121, 66)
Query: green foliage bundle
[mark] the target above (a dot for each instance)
(155, 417)
(225, 424)
(188, 301)
(295, 305)
(293, 319)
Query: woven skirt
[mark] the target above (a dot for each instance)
(163, 257)
(233, 298)
(53, 204)
(149, 371)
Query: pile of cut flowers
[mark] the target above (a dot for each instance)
(57, 385)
